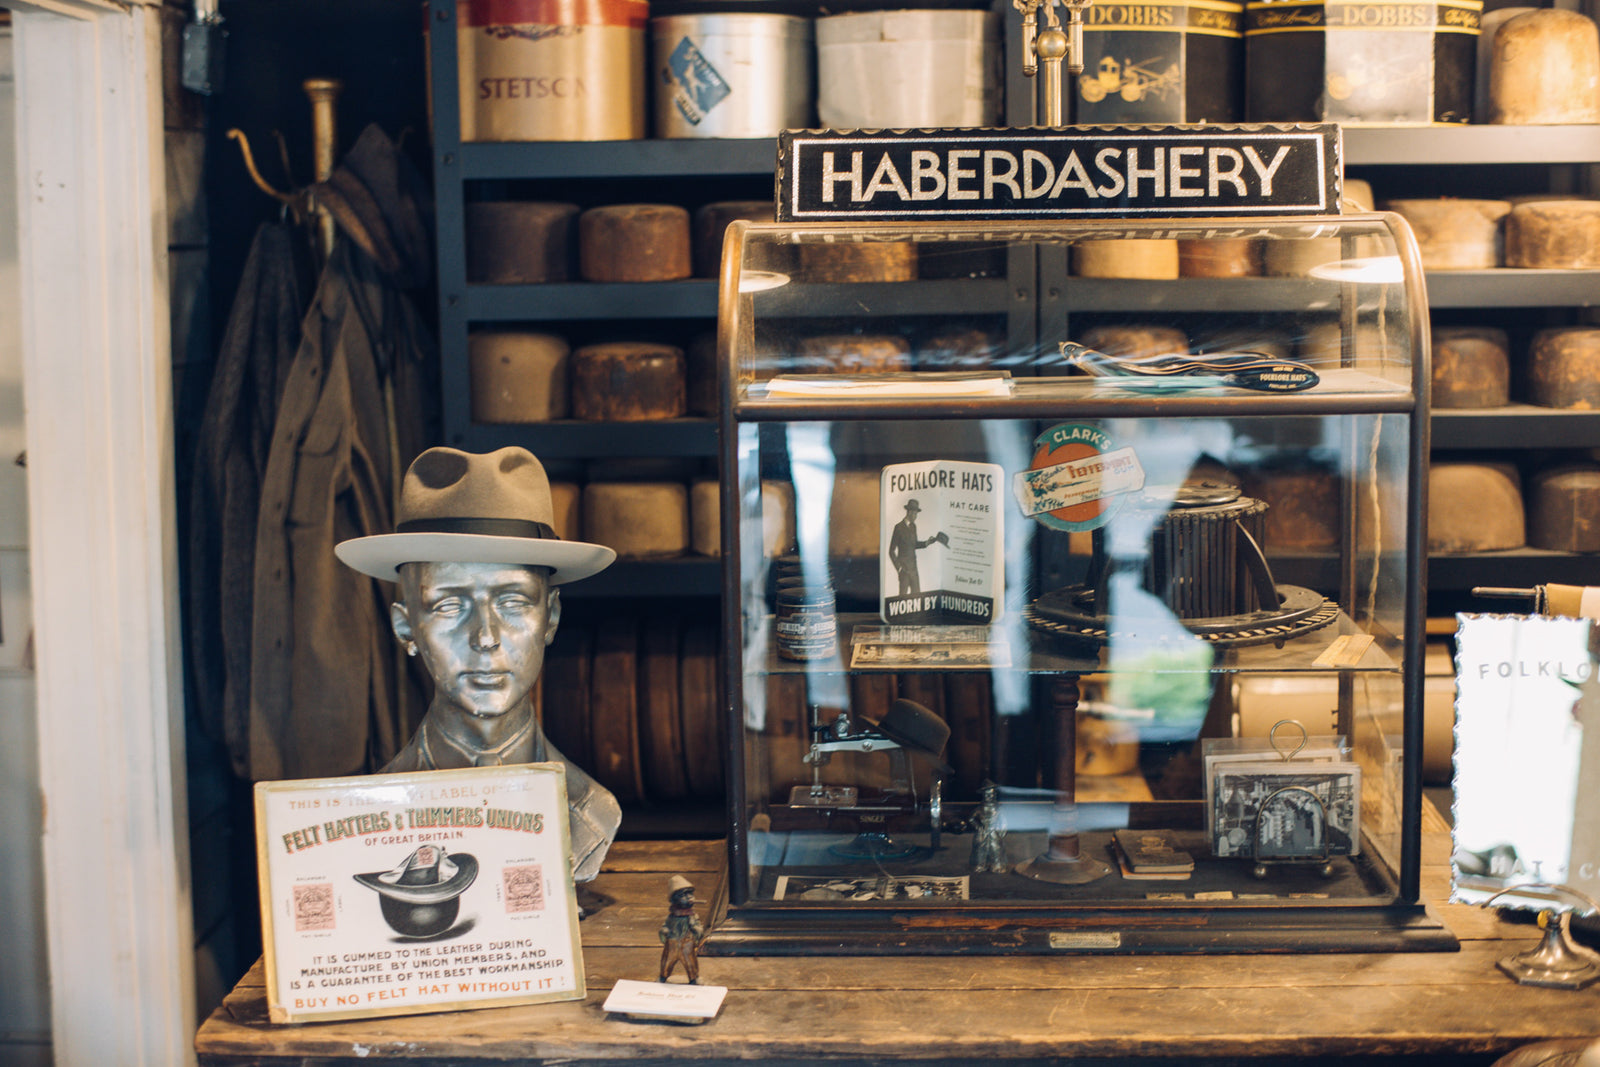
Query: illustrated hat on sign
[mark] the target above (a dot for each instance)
(421, 897)
(429, 875)
(465, 507)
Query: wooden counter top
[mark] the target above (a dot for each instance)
(1417, 1008)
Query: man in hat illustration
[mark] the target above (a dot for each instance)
(422, 896)
(903, 546)
(478, 564)
(681, 932)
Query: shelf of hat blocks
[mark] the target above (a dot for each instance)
(696, 157)
(709, 157)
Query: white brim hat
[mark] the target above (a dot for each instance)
(464, 507)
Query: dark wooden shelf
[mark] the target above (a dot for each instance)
(1521, 567)
(1514, 426)
(680, 576)
(697, 297)
(950, 296)
(691, 298)
(619, 159)
(1200, 294)
(574, 439)
(1363, 146)
(1511, 287)
(1484, 144)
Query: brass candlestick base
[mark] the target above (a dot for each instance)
(1556, 962)
(1080, 871)
(1062, 863)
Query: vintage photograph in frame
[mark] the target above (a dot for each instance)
(1220, 752)
(427, 891)
(1287, 810)
(872, 888)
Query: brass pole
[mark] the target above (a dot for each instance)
(324, 94)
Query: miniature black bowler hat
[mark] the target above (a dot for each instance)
(421, 897)
(466, 507)
(916, 729)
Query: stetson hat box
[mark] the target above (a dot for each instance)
(552, 70)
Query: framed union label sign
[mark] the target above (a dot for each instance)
(429, 891)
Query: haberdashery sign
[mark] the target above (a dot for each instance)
(1123, 172)
(429, 891)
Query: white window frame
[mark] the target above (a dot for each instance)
(98, 400)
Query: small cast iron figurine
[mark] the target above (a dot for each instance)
(988, 838)
(681, 932)
(478, 565)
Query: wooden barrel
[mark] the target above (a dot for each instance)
(858, 261)
(517, 376)
(1564, 509)
(661, 748)
(640, 520)
(1126, 258)
(634, 243)
(700, 703)
(520, 242)
(1475, 507)
(852, 353)
(614, 705)
(1557, 234)
(1455, 234)
(1471, 367)
(1545, 70)
(628, 381)
(1564, 368)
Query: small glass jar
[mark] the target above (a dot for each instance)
(806, 625)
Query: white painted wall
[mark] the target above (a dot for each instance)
(24, 969)
(92, 265)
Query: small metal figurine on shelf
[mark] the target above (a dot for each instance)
(681, 931)
(478, 564)
(988, 836)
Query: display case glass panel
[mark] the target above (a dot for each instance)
(1070, 611)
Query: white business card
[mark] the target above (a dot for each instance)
(670, 999)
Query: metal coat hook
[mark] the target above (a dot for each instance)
(324, 94)
(236, 134)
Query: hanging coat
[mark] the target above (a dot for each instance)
(330, 690)
(258, 345)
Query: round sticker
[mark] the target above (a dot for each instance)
(1077, 479)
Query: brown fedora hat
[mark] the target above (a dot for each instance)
(916, 729)
(467, 507)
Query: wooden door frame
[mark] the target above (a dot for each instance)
(98, 398)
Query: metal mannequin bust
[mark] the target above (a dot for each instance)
(479, 565)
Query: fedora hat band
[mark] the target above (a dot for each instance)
(483, 527)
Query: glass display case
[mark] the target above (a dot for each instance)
(1068, 611)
